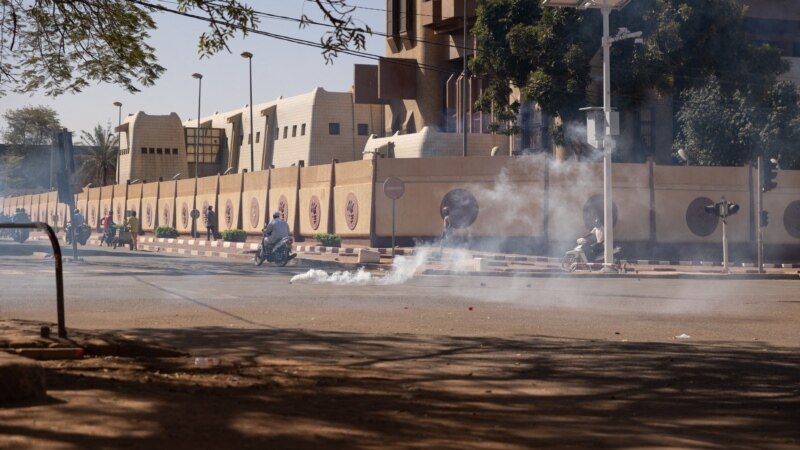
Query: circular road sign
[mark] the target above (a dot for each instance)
(195, 214)
(394, 188)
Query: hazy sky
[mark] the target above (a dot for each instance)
(279, 69)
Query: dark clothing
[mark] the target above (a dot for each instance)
(211, 225)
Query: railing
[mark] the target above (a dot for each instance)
(62, 329)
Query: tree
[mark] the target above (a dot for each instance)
(60, 46)
(100, 157)
(780, 132)
(25, 163)
(546, 53)
(29, 126)
(715, 129)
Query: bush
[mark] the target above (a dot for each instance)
(328, 240)
(234, 235)
(166, 232)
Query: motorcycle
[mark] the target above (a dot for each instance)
(81, 234)
(20, 235)
(577, 257)
(279, 254)
(108, 236)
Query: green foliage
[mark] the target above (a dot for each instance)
(235, 235)
(101, 159)
(545, 52)
(29, 125)
(58, 46)
(714, 129)
(166, 232)
(328, 240)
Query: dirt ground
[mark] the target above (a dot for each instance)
(297, 389)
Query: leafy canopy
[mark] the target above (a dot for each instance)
(58, 46)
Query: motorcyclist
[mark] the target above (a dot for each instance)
(75, 225)
(597, 236)
(20, 216)
(275, 230)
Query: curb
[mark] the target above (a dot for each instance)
(664, 276)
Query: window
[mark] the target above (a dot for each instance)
(144, 150)
(303, 130)
(158, 151)
(151, 150)
(363, 129)
(277, 133)
(333, 128)
(258, 136)
(174, 151)
(294, 130)
(249, 138)
(204, 144)
(285, 132)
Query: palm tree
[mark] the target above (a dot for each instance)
(101, 154)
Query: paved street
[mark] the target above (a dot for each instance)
(435, 362)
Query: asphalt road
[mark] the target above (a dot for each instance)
(450, 362)
(120, 290)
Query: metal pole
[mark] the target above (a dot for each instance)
(725, 242)
(393, 222)
(252, 136)
(759, 209)
(464, 85)
(608, 219)
(119, 134)
(199, 78)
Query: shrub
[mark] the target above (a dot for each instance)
(166, 232)
(328, 240)
(234, 235)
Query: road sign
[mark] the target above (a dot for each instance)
(195, 214)
(394, 188)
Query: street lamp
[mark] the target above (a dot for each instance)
(605, 7)
(119, 133)
(199, 78)
(464, 86)
(249, 57)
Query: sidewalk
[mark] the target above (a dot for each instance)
(468, 262)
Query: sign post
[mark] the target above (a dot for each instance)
(394, 188)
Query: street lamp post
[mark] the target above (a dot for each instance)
(249, 57)
(119, 134)
(199, 78)
(464, 107)
(605, 6)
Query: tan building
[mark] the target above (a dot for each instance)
(151, 147)
(314, 128)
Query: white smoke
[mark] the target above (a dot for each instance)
(403, 269)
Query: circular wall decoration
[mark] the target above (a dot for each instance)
(351, 211)
(462, 206)
(165, 215)
(283, 207)
(254, 212)
(184, 215)
(314, 212)
(593, 209)
(118, 213)
(791, 219)
(229, 214)
(204, 211)
(700, 222)
(93, 216)
(148, 214)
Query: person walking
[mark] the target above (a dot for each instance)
(108, 226)
(211, 224)
(447, 227)
(133, 227)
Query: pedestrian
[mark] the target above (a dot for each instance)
(211, 224)
(447, 227)
(133, 227)
(108, 224)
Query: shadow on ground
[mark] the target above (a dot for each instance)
(299, 389)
